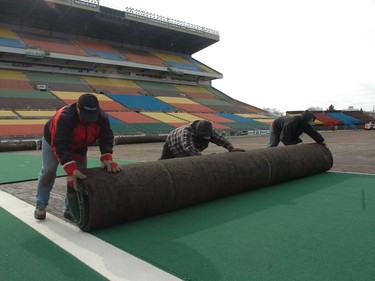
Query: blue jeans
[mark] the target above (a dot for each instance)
(47, 175)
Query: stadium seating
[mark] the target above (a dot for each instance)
(32, 99)
(195, 92)
(345, 119)
(160, 89)
(143, 123)
(257, 117)
(22, 128)
(144, 89)
(35, 114)
(176, 61)
(10, 39)
(52, 44)
(141, 103)
(99, 50)
(14, 80)
(166, 118)
(360, 116)
(141, 56)
(115, 86)
(58, 82)
(121, 128)
(190, 118)
(7, 114)
(327, 120)
(185, 104)
(242, 123)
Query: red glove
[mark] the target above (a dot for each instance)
(107, 162)
(73, 174)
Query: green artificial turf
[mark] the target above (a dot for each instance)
(316, 228)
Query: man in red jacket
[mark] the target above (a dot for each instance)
(67, 136)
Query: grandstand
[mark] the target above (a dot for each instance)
(333, 120)
(142, 72)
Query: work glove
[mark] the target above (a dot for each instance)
(73, 174)
(237, 150)
(107, 162)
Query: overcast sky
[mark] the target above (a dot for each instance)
(288, 55)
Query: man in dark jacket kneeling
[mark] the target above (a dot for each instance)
(288, 129)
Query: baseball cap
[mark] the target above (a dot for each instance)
(88, 107)
(204, 128)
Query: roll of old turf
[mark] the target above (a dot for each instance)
(145, 189)
(19, 145)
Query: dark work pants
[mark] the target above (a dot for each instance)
(166, 153)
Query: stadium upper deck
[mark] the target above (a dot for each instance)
(86, 18)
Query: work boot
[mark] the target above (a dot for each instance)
(68, 215)
(40, 213)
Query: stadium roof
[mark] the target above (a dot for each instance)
(84, 18)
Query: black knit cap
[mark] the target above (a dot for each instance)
(204, 128)
(88, 105)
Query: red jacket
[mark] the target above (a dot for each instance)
(69, 138)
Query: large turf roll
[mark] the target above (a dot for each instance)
(19, 145)
(145, 189)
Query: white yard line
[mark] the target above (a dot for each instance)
(101, 256)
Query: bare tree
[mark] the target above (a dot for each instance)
(274, 112)
(315, 108)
